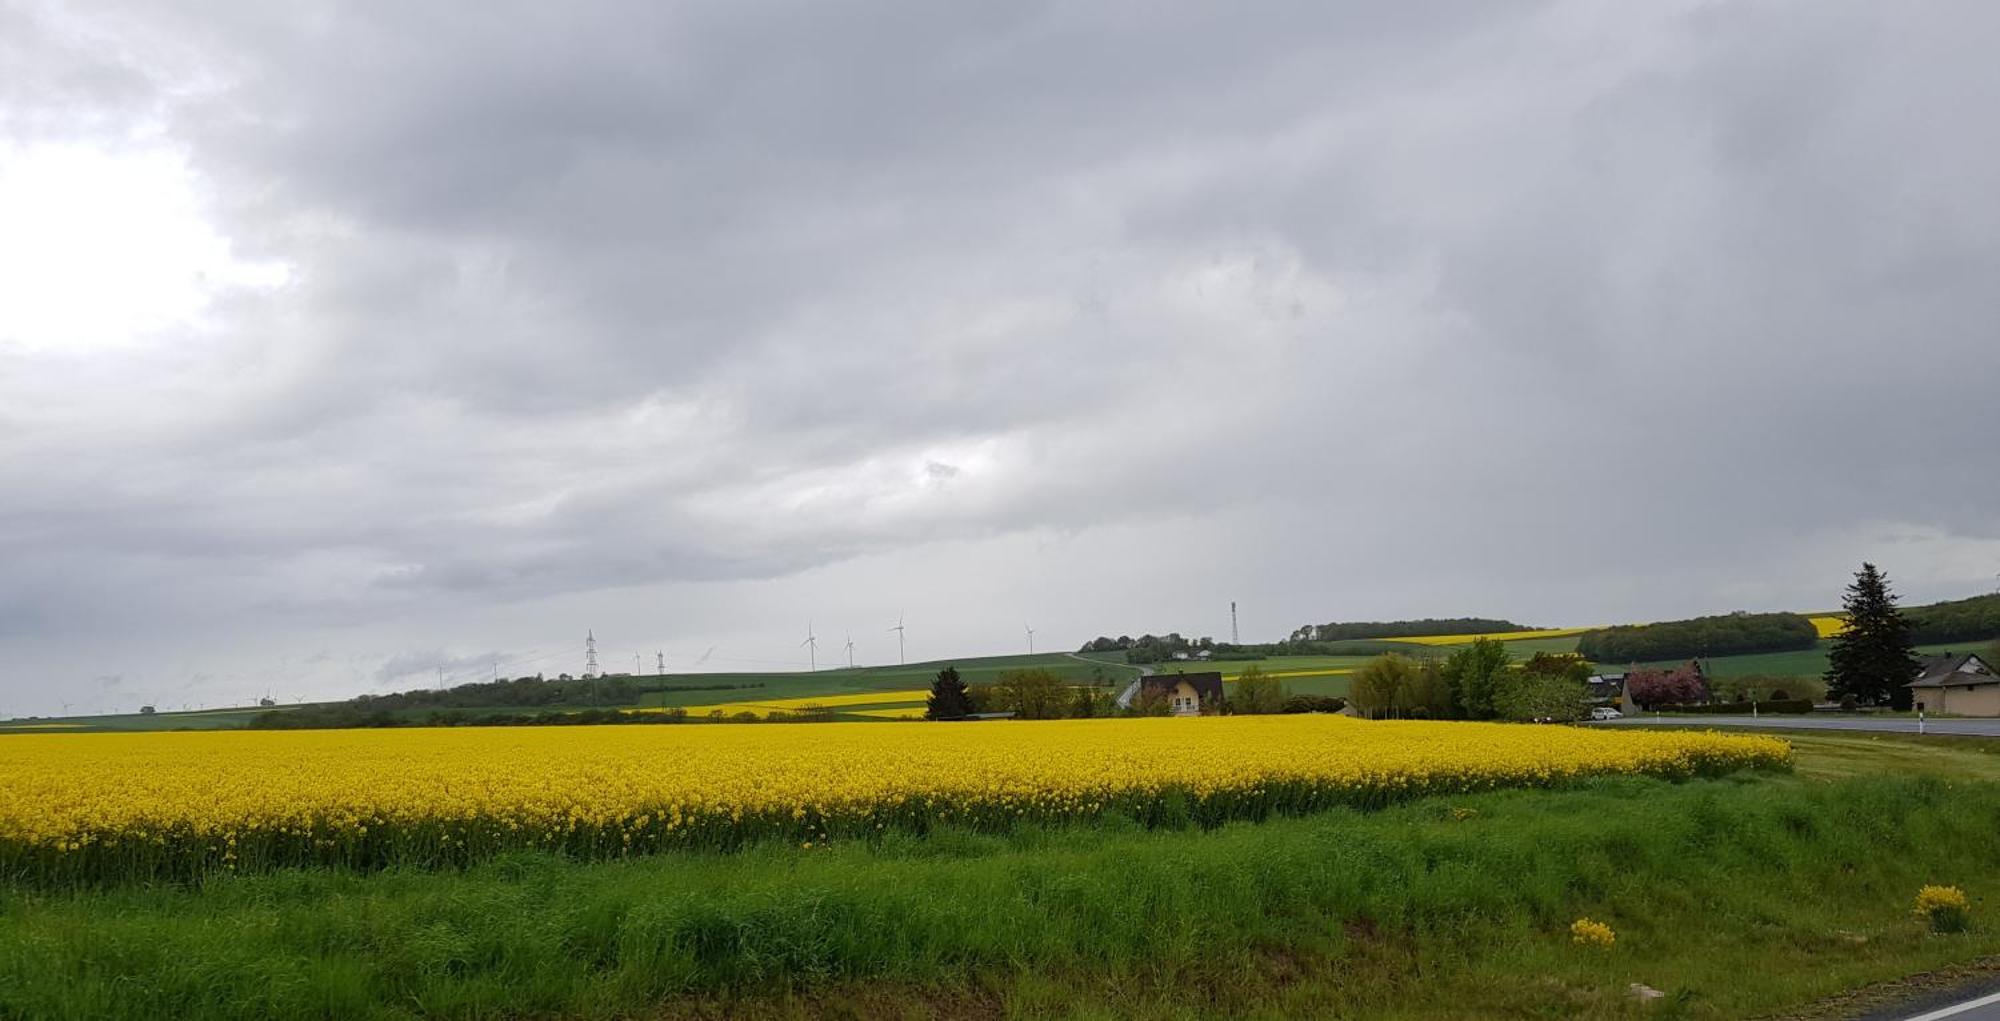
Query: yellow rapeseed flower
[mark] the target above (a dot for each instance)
(106, 805)
(1585, 932)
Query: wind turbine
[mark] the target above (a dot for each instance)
(812, 648)
(899, 639)
(1031, 638)
(850, 650)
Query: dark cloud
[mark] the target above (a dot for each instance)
(1543, 310)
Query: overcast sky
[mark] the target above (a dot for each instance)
(340, 342)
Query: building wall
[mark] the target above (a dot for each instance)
(1980, 700)
(1185, 700)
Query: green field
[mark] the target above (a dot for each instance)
(1742, 896)
(980, 670)
(1799, 663)
(206, 719)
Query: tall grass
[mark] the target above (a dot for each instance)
(1735, 893)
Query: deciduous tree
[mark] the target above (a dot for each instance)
(1031, 694)
(1666, 687)
(1473, 674)
(1256, 693)
(1540, 696)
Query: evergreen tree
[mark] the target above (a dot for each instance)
(1873, 659)
(948, 700)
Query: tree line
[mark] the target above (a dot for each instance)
(1725, 635)
(527, 692)
(1956, 620)
(1037, 694)
(1480, 681)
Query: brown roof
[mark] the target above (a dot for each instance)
(1954, 668)
(1207, 686)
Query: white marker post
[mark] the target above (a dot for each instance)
(1920, 721)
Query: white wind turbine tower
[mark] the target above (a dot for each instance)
(899, 639)
(812, 648)
(850, 650)
(1031, 638)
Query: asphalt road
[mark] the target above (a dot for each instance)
(1974, 1001)
(1893, 725)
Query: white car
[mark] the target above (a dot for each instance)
(1605, 712)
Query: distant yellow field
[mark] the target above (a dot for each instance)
(1829, 625)
(1327, 672)
(791, 705)
(1505, 636)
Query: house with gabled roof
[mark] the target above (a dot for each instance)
(1958, 683)
(1185, 694)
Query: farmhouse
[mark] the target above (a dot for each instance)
(1605, 689)
(1185, 694)
(1959, 683)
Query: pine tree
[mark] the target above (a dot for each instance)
(1874, 658)
(948, 699)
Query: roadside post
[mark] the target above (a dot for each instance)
(1920, 721)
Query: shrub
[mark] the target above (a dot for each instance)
(1314, 704)
(1588, 933)
(1944, 906)
(1775, 705)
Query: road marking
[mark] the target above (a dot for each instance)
(1957, 1008)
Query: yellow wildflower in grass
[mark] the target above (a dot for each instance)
(1585, 932)
(1945, 907)
(111, 806)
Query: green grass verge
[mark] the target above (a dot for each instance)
(1736, 896)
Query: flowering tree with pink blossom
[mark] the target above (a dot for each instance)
(1665, 687)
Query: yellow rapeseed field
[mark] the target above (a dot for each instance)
(1828, 625)
(884, 700)
(112, 806)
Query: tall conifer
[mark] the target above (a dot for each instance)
(1874, 658)
(948, 700)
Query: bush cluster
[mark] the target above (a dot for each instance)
(1314, 704)
(1776, 705)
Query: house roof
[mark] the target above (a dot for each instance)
(1208, 686)
(1952, 669)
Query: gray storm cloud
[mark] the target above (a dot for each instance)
(695, 321)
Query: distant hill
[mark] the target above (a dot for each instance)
(1956, 620)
